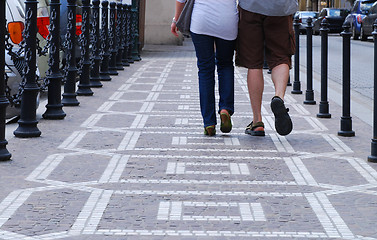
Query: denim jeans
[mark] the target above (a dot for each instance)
(212, 52)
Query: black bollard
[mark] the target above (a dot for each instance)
(112, 41)
(69, 95)
(54, 107)
(309, 94)
(373, 156)
(84, 84)
(28, 121)
(119, 36)
(346, 120)
(289, 81)
(296, 83)
(324, 104)
(135, 23)
(95, 79)
(104, 69)
(130, 34)
(4, 153)
(125, 35)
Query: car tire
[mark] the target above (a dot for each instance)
(363, 37)
(355, 36)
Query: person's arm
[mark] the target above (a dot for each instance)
(179, 4)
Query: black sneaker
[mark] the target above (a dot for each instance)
(283, 122)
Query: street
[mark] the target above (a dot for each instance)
(361, 61)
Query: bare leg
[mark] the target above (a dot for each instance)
(283, 122)
(280, 75)
(255, 85)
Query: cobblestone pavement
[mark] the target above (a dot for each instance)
(131, 162)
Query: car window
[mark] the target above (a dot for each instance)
(338, 12)
(323, 13)
(334, 12)
(354, 8)
(365, 6)
(373, 9)
(309, 14)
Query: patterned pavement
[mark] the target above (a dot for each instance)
(131, 162)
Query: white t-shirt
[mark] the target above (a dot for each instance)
(217, 18)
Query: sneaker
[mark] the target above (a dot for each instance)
(256, 129)
(226, 122)
(283, 122)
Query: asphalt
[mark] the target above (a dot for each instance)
(131, 162)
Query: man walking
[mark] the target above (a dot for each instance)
(266, 25)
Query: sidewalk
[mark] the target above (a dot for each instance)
(131, 162)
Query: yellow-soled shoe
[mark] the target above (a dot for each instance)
(226, 122)
(210, 130)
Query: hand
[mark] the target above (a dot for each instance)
(174, 29)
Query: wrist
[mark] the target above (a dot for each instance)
(174, 21)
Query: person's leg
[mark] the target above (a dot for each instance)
(255, 86)
(279, 39)
(204, 48)
(279, 49)
(280, 75)
(225, 71)
(250, 54)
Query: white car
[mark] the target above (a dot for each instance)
(15, 15)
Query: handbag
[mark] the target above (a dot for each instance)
(184, 20)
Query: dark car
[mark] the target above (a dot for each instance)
(303, 18)
(334, 16)
(359, 10)
(367, 23)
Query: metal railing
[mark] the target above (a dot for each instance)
(114, 44)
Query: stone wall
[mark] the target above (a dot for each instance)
(158, 17)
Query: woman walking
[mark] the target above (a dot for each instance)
(213, 29)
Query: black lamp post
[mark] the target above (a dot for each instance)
(104, 69)
(70, 95)
(373, 156)
(95, 79)
(84, 85)
(324, 103)
(112, 41)
(54, 107)
(28, 121)
(119, 36)
(135, 26)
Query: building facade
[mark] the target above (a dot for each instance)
(156, 17)
(317, 5)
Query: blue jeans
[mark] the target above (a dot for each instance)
(212, 52)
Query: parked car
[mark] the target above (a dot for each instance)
(15, 16)
(303, 18)
(359, 10)
(335, 18)
(367, 23)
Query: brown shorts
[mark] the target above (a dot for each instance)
(257, 32)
